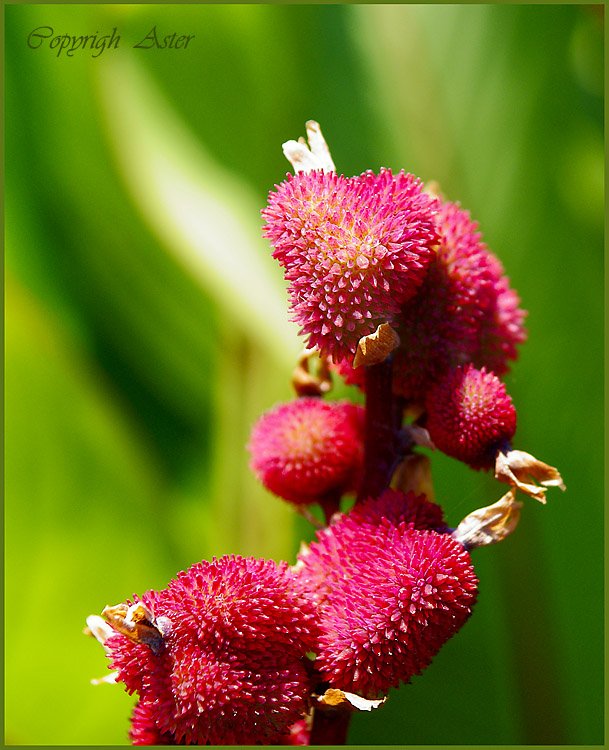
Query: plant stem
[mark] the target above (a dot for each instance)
(330, 504)
(330, 726)
(383, 422)
(383, 447)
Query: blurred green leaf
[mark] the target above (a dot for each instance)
(81, 514)
(208, 219)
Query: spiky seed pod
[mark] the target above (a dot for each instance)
(388, 592)
(465, 311)
(304, 449)
(231, 666)
(470, 416)
(143, 730)
(353, 250)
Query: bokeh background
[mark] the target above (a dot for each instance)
(145, 327)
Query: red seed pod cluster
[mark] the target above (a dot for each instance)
(231, 668)
(240, 650)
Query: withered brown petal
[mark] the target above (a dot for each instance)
(333, 697)
(414, 473)
(490, 524)
(136, 623)
(377, 346)
(518, 468)
(306, 383)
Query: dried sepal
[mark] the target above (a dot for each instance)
(491, 524)
(315, 155)
(376, 347)
(414, 474)
(108, 679)
(364, 704)
(99, 629)
(137, 623)
(334, 698)
(522, 470)
(419, 436)
(306, 383)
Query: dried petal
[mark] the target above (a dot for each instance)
(414, 474)
(518, 468)
(306, 383)
(108, 679)
(363, 704)
(490, 524)
(98, 628)
(314, 156)
(375, 348)
(136, 622)
(333, 697)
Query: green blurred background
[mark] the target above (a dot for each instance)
(145, 327)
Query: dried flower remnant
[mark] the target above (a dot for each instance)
(523, 471)
(314, 156)
(232, 666)
(376, 347)
(138, 624)
(413, 474)
(307, 449)
(388, 594)
(307, 383)
(490, 524)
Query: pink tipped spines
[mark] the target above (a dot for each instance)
(470, 416)
(389, 592)
(353, 250)
(305, 449)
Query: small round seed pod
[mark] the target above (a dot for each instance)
(470, 416)
(305, 449)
